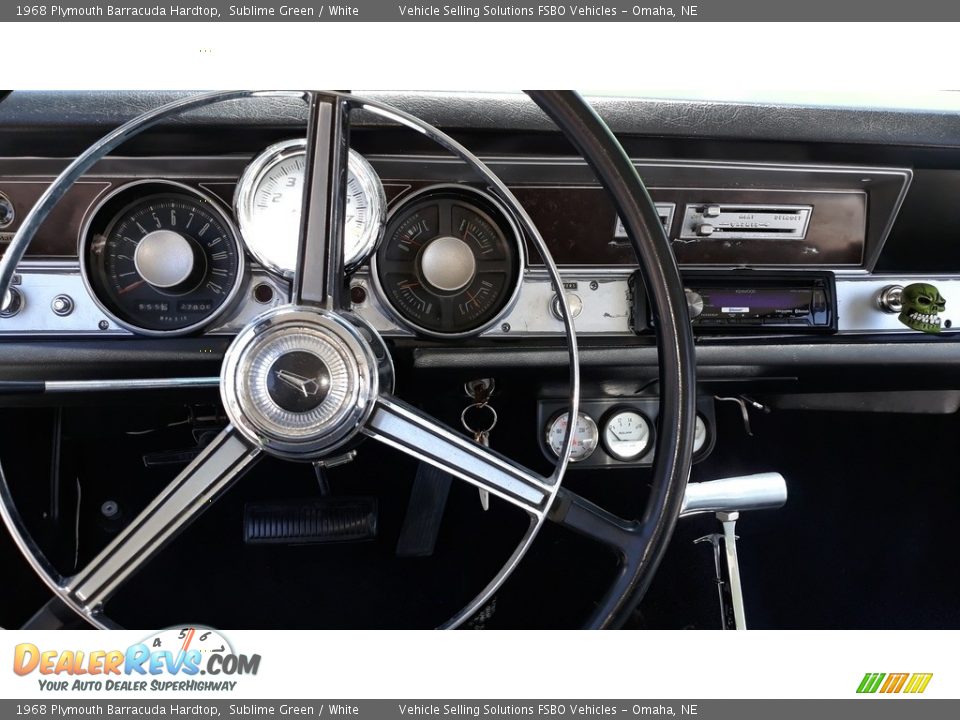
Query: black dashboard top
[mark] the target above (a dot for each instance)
(513, 112)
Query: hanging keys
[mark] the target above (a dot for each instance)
(480, 391)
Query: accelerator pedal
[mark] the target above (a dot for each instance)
(324, 520)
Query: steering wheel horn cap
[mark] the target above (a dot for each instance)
(299, 383)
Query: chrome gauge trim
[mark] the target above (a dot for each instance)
(588, 422)
(214, 207)
(611, 448)
(518, 243)
(261, 248)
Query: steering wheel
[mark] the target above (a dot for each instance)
(357, 400)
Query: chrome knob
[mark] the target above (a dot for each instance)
(12, 303)
(890, 299)
(573, 301)
(694, 302)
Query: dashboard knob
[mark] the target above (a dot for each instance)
(694, 302)
(889, 299)
(12, 303)
(574, 301)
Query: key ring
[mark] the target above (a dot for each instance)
(479, 406)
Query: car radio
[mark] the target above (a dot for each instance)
(752, 301)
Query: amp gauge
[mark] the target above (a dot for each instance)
(627, 434)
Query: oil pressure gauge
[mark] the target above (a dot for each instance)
(627, 434)
(586, 436)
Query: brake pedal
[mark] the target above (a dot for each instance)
(327, 520)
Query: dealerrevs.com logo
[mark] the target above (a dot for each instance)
(892, 683)
(171, 660)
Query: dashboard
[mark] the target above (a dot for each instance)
(814, 258)
(186, 245)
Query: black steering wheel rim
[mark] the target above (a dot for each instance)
(640, 544)
(594, 141)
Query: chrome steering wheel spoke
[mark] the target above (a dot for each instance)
(205, 479)
(404, 427)
(319, 275)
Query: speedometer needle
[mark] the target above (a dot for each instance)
(131, 286)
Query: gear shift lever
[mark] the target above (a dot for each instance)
(727, 498)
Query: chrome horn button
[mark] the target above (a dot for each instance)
(299, 383)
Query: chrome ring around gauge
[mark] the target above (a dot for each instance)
(451, 261)
(161, 258)
(299, 382)
(269, 199)
(627, 434)
(586, 435)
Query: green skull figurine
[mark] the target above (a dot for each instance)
(921, 305)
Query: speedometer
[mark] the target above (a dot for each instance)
(161, 258)
(269, 202)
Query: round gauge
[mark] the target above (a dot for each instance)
(699, 435)
(269, 203)
(585, 436)
(627, 435)
(201, 639)
(450, 261)
(161, 258)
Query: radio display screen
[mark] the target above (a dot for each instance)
(756, 302)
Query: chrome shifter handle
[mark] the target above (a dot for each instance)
(735, 494)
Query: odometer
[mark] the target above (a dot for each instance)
(162, 262)
(450, 262)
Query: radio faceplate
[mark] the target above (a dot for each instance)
(753, 301)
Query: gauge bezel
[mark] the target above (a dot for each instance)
(605, 423)
(273, 155)
(707, 436)
(553, 421)
(515, 236)
(214, 206)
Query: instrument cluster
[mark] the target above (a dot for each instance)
(166, 258)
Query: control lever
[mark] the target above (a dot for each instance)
(727, 498)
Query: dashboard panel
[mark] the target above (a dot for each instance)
(721, 216)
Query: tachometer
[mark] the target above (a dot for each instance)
(450, 262)
(269, 201)
(162, 258)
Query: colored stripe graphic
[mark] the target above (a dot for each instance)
(894, 683)
(913, 683)
(870, 683)
(918, 682)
